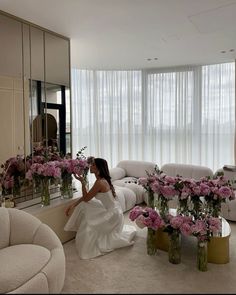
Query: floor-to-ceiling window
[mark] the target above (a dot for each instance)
(182, 115)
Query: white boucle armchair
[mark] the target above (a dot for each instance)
(31, 255)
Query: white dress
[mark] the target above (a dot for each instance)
(100, 226)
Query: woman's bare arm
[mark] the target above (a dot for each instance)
(86, 196)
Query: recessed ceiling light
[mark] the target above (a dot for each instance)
(223, 51)
(149, 59)
(155, 58)
(231, 50)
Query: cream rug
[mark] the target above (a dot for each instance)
(131, 270)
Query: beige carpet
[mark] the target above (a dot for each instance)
(131, 270)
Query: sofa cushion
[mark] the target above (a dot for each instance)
(138, 190)
(130, 198)
(136, 168)
(186, 170)
(19, 220)
(126, 197)
(125, 180)
(117, 173)
(21, 263)
(4, 228)
(120, 197)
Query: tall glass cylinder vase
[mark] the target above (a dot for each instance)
(37, 185)
(151, 242)
(16, 190)
(150, 199)
(196, 206)
(202, 255)
(216, 208)
(66, 187)
(163, 206)
(45, 194)
(174, 251)
(182, 207)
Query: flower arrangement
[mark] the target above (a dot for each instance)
(175, 226)
(69, 167)
(43, 173)
(203, 229)
(206, 227)
(146, 217)
(48, 170)
(180, 223)
(194, 196)
(12, 175)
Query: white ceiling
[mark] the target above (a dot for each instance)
(122, 34)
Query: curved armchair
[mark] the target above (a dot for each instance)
(31, 255)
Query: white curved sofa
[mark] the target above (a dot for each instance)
(31, 255)
(124, 177)
(186, 170)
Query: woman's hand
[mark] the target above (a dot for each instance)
(79, 177)
(68, 209)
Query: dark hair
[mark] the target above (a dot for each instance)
(102, 167)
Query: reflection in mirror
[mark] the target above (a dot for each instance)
(39, 136)
(50, 116)
(32, 112)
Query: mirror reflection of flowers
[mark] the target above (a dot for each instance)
(42, 155)
(49, 170)
(12, 175)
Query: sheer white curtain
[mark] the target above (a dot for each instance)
(191, 115)
(181, 115)
(170, 116)
(218, 115)
(107, 114)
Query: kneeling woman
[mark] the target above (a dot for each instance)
(97, 216)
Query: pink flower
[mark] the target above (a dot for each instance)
(185, 229)
(155, 186)
(205, 189)
(170, 179)
(176, 221)
(224, 192)
(146, 217)
(135, 212)
(214, 224)
(168, 191)
(143, 181)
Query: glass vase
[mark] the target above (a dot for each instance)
(216, 208)
(66, 187)
(174, 251)
(183, 207)
(37, 185)
(151, 242)
(163, 206)
(196, 206)
(150, 199)
(16, 190)
(45, 194)
(202, 255)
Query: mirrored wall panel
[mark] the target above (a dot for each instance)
(35, 94)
